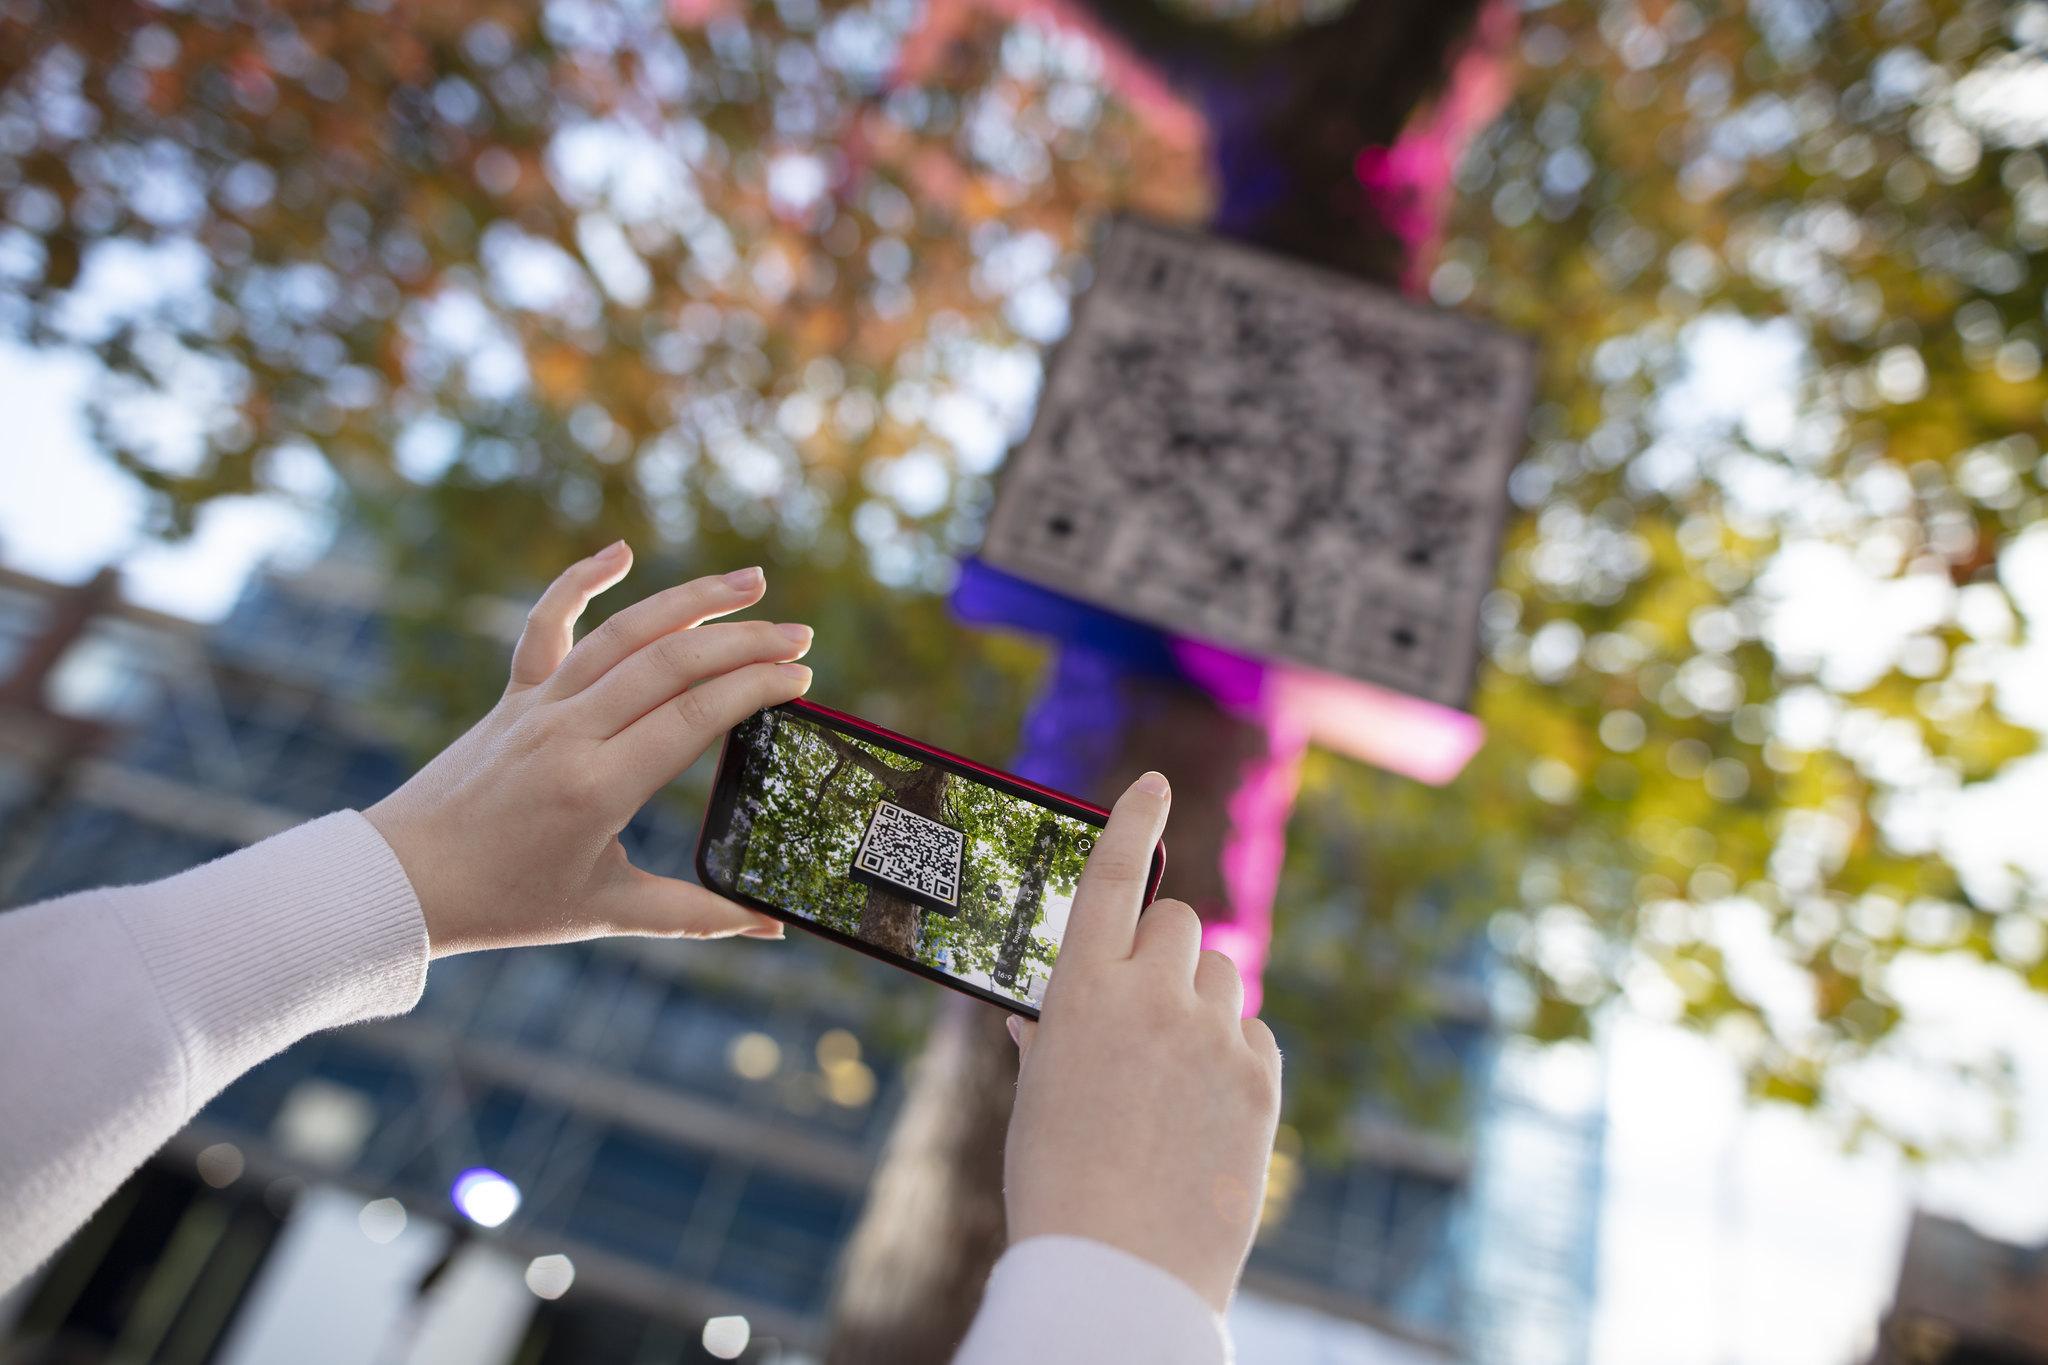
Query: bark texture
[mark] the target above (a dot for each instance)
(913, 1273)
(1024, 912)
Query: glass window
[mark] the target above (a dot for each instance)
(252, 1101)
(456, 987)
(21, 618)
(783, 1237)
(638, 1196)
(531, 1000)
(91, 846)
(696, 1042)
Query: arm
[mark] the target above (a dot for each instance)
(1136, 1158)
(123, 1011)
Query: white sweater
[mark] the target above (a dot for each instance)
(123, 1011)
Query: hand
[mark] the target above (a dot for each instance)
(1145, 1106)
(510, 835)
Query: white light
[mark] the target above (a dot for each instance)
(323, 1123)
(382, 1220)
(485, 1197)
(727, 1337)
(754, 1056)
(221, 1165)
(549, 1277)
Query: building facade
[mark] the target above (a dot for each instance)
(689, 1129)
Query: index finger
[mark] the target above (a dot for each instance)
(633, 628)
(1104, 919)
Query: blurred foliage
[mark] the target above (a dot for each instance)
(1786, 263)
(769, 282)
(750, 283)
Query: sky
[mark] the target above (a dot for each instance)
(1735, 1233)
(1729, 1235)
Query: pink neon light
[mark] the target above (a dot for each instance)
(1376, 725)
(1299, 706)
(1252, 855)
(1164, 113)
(1402, 734)
(1410, 182)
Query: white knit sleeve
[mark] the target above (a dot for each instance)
(1082, 1302)
(122, 1011)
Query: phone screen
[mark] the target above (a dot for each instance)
(906, 852)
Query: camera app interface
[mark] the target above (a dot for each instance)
(909, 856)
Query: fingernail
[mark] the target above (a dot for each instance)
(1016, 1028)
(798, 636)
(797, 673)
(611, 551)
(771, 929)
(739, 580)
(1152, 784)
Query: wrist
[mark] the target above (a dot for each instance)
(396, 825)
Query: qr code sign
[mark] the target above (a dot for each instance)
(915, 857)
(1290, 462)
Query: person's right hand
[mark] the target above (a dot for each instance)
(1145, 1105)
(510, 836)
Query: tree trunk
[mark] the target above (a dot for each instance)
(888, 920)
(1292, 125)
(750, 775)
(912, 1275)
(1024, 912)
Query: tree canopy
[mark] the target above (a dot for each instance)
(769, 282)
(1747, 647)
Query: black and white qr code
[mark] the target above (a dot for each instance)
(1293, 463)
(912, 855)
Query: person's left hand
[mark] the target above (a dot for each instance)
(510, 835)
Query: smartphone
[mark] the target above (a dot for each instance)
(913, 855)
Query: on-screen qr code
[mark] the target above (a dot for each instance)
(912, 855)
(1239, 447)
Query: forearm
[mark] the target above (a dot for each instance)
(123, 1011)
(1082, 1302)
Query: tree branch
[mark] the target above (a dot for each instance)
(818, 797)
(895, 779)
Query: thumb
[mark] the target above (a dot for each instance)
(668, 908)
(1022, 1031)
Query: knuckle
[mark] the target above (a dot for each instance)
(694, 711)
(579, 787)
(1265, 1049)
(1256, 1083)
(534, 733)
(1114, 864)
(676, 653)
(612, 633)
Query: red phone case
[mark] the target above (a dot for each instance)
(994, 777)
